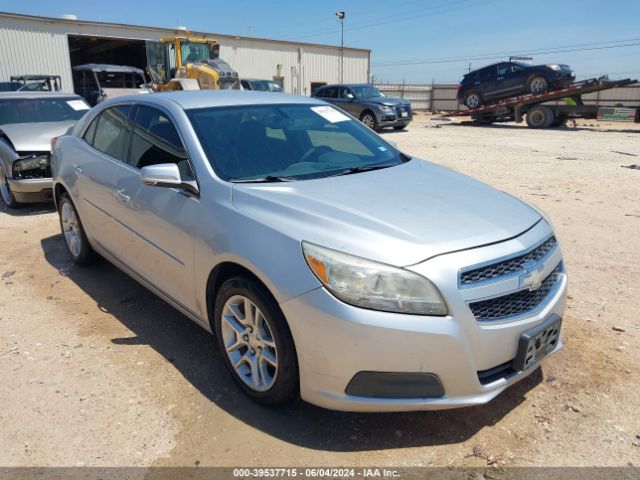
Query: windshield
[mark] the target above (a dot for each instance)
(9, 86)
(34, 110)
(265, 86)
(367, 92)
(192, 52)
(292, 141)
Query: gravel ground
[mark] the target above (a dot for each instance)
(95, 370)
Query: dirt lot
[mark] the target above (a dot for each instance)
(95, 370)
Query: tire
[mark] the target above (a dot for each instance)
(538, 84)
(540, 117)
(73, 232)
(245, 342)
(5, 192)
(473, 99)
(370, 120)
(560, 121)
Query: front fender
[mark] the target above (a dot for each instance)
(7, 157)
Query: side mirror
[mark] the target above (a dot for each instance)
(166, 175)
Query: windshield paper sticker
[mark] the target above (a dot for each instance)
(78, 105)
(331, 114)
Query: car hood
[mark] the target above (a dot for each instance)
(392, 102)
(34, 137)
(400, 215)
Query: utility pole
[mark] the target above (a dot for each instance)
(341, 16)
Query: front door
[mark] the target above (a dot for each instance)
(156, 221)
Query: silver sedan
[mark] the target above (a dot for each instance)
(329, 265)
(28, 124)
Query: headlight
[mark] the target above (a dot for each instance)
(30, 163)
(373, 285)
(555, 67)
(386, 108)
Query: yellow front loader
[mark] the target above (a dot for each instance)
(189, 63)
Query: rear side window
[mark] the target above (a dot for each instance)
(329, 92)
(155, 140)
(112, 132)
(91, 131)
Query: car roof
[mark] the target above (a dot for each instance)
(33, 77)
(29, 94)
(103, 67)
(347, 85)
(496, 64)
(216, 98)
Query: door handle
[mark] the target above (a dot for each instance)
(121, 196)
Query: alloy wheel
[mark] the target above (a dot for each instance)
(538, 85)
(368, 120)
(71, 228)
(249, 343)
(473, 100)
(4, 189)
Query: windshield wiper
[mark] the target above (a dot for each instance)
(267, 179)
(361, 168)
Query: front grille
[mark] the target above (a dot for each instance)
(515, 303)
(400, 109)
(507, 267)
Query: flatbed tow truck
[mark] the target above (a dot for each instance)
(537, 112)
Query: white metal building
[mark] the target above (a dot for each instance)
(43, 45)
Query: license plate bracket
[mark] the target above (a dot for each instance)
(537, 343)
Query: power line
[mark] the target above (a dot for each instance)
(451, 7)
(368, 13)
(491, 56)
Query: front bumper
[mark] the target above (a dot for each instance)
(33, 190)
(335, 341)
(394, 117)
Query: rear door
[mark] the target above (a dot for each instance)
(94, 166)
(488, 81)
(156, 221)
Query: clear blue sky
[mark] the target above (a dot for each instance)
(449, 34)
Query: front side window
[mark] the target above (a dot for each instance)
(155, 140)
(35, 110)
(346, 93)
(288, 142)
(112, 132)
(367, 91)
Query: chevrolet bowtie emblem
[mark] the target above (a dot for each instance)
(533, 278)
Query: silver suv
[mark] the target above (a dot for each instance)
(328, 264)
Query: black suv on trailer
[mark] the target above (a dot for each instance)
(507, 79)
(368, 104)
